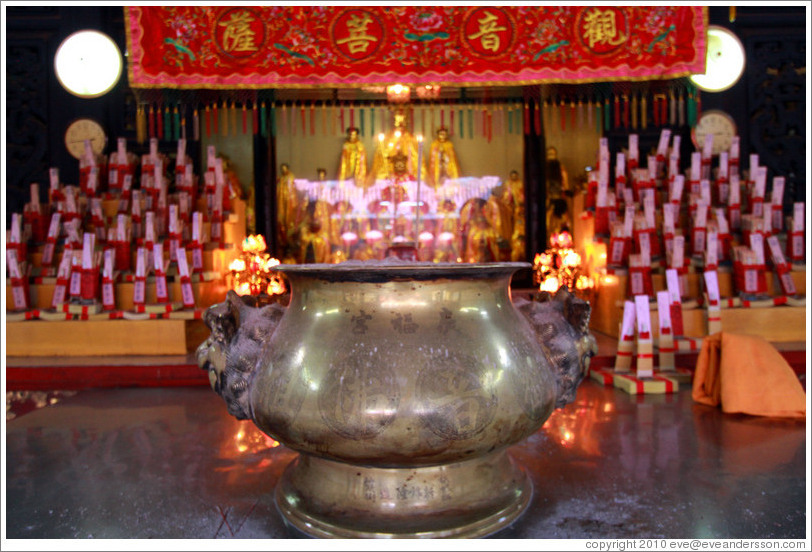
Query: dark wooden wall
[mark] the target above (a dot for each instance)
(768, 103)
(38, 110)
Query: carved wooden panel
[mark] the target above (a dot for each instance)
(26, 119)
(777, 107)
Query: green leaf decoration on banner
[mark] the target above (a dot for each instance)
(550, 48)
(287, 50)
(180, 48)
(660, 37)
(426, 37)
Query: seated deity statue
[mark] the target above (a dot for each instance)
(398, 141)
(481, 242)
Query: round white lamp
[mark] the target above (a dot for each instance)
(724, 61)
(88, 64)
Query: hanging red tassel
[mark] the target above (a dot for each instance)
(562, 108)
(341, 118)
(617, 111)
(208, 121)
(663, 109)
(233, 112)
(215, 117)
(644, 110)
(451, 123)
(151, 121)
(196, 125)
(244, 120)
(526, 118)
(625, 111)
(312, 119)
(255, 117)
(572, 114)
(160, 124)
(352, 116)
(538, 119)
(655, 112)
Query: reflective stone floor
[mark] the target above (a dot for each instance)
(171, 463)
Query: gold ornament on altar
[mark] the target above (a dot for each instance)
(428, 92)
(560, 266)
(253, 273)
(398, 141)
(398, 93)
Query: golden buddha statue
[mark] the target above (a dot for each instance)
(517, 243)
(314, 243)
(289, 205)
(442, 162)
(481, 242)
(353, 164)
(514, 196)
(400, 140)
(499, 214)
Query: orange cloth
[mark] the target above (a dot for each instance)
(746, 374)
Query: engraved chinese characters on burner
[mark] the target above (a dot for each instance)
(447, 323)
(404, 323)
(285, 395)
(359, 396)
(359, 322)
(406, 491)
(531, 388)
(461, 406)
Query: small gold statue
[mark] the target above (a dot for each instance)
(353, 164)
(443, 163)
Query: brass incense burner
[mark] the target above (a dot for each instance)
(401, 385)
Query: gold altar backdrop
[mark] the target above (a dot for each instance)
(477, 155)
(486, 152)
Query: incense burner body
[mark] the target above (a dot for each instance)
(401, 386)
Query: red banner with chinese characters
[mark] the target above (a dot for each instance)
(330, 46)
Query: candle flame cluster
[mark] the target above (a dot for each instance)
(398, 93)
(252, 272)
(560, 266)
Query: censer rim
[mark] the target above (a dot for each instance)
(376, 270)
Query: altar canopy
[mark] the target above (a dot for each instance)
(219, 47)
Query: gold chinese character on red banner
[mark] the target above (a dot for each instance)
(358, 40)
(357, 34)
(602, 30)
(239, 32)
(488, 31)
